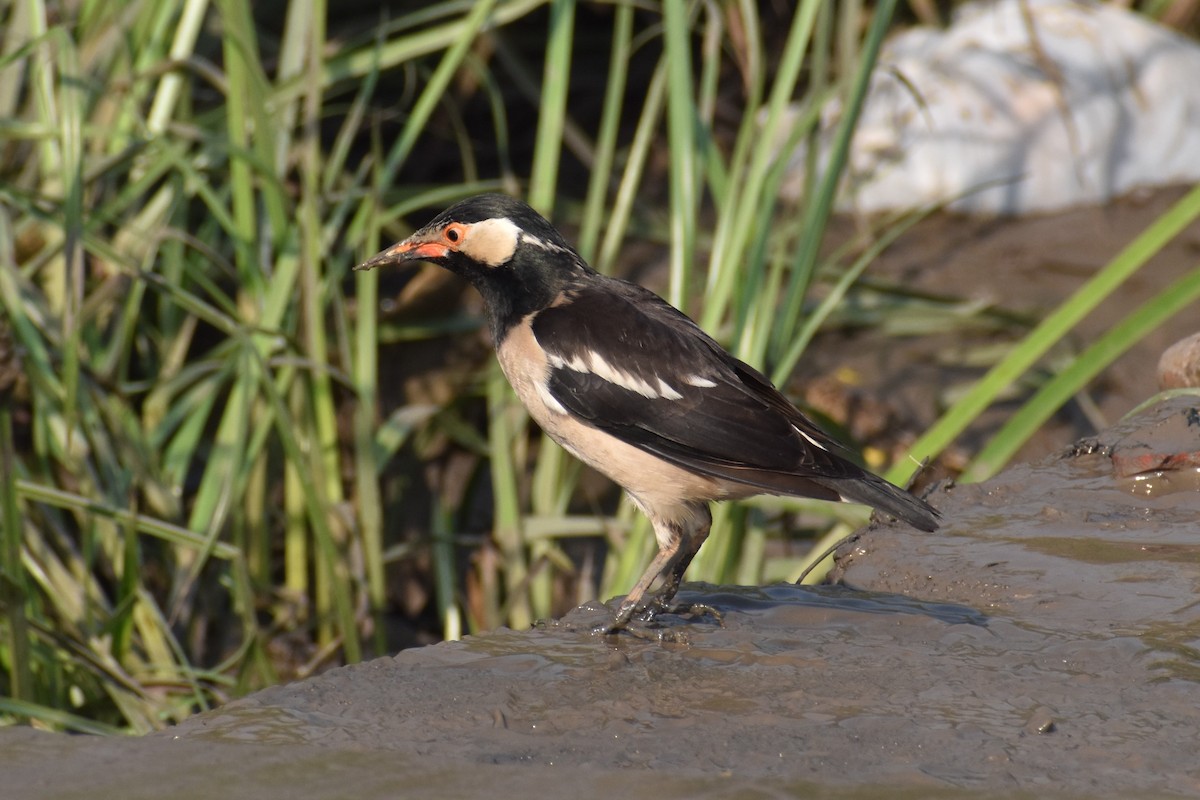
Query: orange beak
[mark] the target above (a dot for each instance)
(407, 250)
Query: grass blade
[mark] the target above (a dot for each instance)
(1087, 365)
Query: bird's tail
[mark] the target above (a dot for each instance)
(871, 490)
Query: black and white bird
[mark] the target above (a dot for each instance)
(633, 387)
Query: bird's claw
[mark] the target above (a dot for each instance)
(640, 619)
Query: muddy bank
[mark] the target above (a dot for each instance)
(1024, 268)
(1046, 641)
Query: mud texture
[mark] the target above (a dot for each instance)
(1045, 642)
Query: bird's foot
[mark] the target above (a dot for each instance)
(640, 619)
(696, 611)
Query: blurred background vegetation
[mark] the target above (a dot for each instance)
(227, 460)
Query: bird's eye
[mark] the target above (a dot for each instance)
(453, 235)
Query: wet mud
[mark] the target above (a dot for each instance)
(1045, 642)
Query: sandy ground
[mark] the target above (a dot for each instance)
(1045, 642)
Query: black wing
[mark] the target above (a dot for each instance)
(632, 365)
(691, 402)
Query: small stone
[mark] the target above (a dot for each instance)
(1170, 442)
(1179, 366)
(1040, 721)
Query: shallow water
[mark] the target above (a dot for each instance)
(1046, 642)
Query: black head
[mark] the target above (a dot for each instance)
(476, 235)
(511, 253)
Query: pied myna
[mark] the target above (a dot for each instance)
(634, 388)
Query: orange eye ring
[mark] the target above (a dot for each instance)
(454, 234)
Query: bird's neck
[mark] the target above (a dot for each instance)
(508, 304)
(513, 294)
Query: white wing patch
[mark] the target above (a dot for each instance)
(576, 363)
(810, 439)
(699, 381)
(543, 393)
(593, 362)
(666, 392)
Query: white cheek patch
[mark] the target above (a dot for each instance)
(491, 241)
(593, 362)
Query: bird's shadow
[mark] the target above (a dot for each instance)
(754, 600)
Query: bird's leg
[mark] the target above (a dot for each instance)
(680, 538)
(662, 563)
(661, 601)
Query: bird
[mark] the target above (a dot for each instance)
(634, 388)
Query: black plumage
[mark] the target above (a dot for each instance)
(635, 388)
(739, 429)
